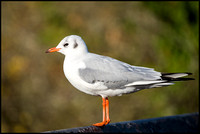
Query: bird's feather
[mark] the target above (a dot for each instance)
(113, 73)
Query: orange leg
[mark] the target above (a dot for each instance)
(107, 112)
(106, 118)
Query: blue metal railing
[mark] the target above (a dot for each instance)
(185, 123)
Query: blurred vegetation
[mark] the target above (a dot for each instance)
(37, 97)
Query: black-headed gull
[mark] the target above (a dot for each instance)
(104, 76)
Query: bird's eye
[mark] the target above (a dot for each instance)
(66, 44)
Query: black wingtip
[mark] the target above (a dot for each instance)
(166, 76)
(177, 73)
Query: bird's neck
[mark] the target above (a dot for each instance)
(71, 58)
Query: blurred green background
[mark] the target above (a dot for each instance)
(37, 97)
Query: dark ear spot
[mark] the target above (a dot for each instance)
(75, 45)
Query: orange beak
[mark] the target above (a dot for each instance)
(54, 49)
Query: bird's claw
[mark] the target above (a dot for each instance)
(103, 123)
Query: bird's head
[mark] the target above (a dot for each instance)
(72, 45)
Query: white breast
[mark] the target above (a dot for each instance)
(71, 73)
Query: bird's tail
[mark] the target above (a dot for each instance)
(175, 76)
(167, 79)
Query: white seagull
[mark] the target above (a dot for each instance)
(104, 76)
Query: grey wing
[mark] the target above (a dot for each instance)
(114, 74)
